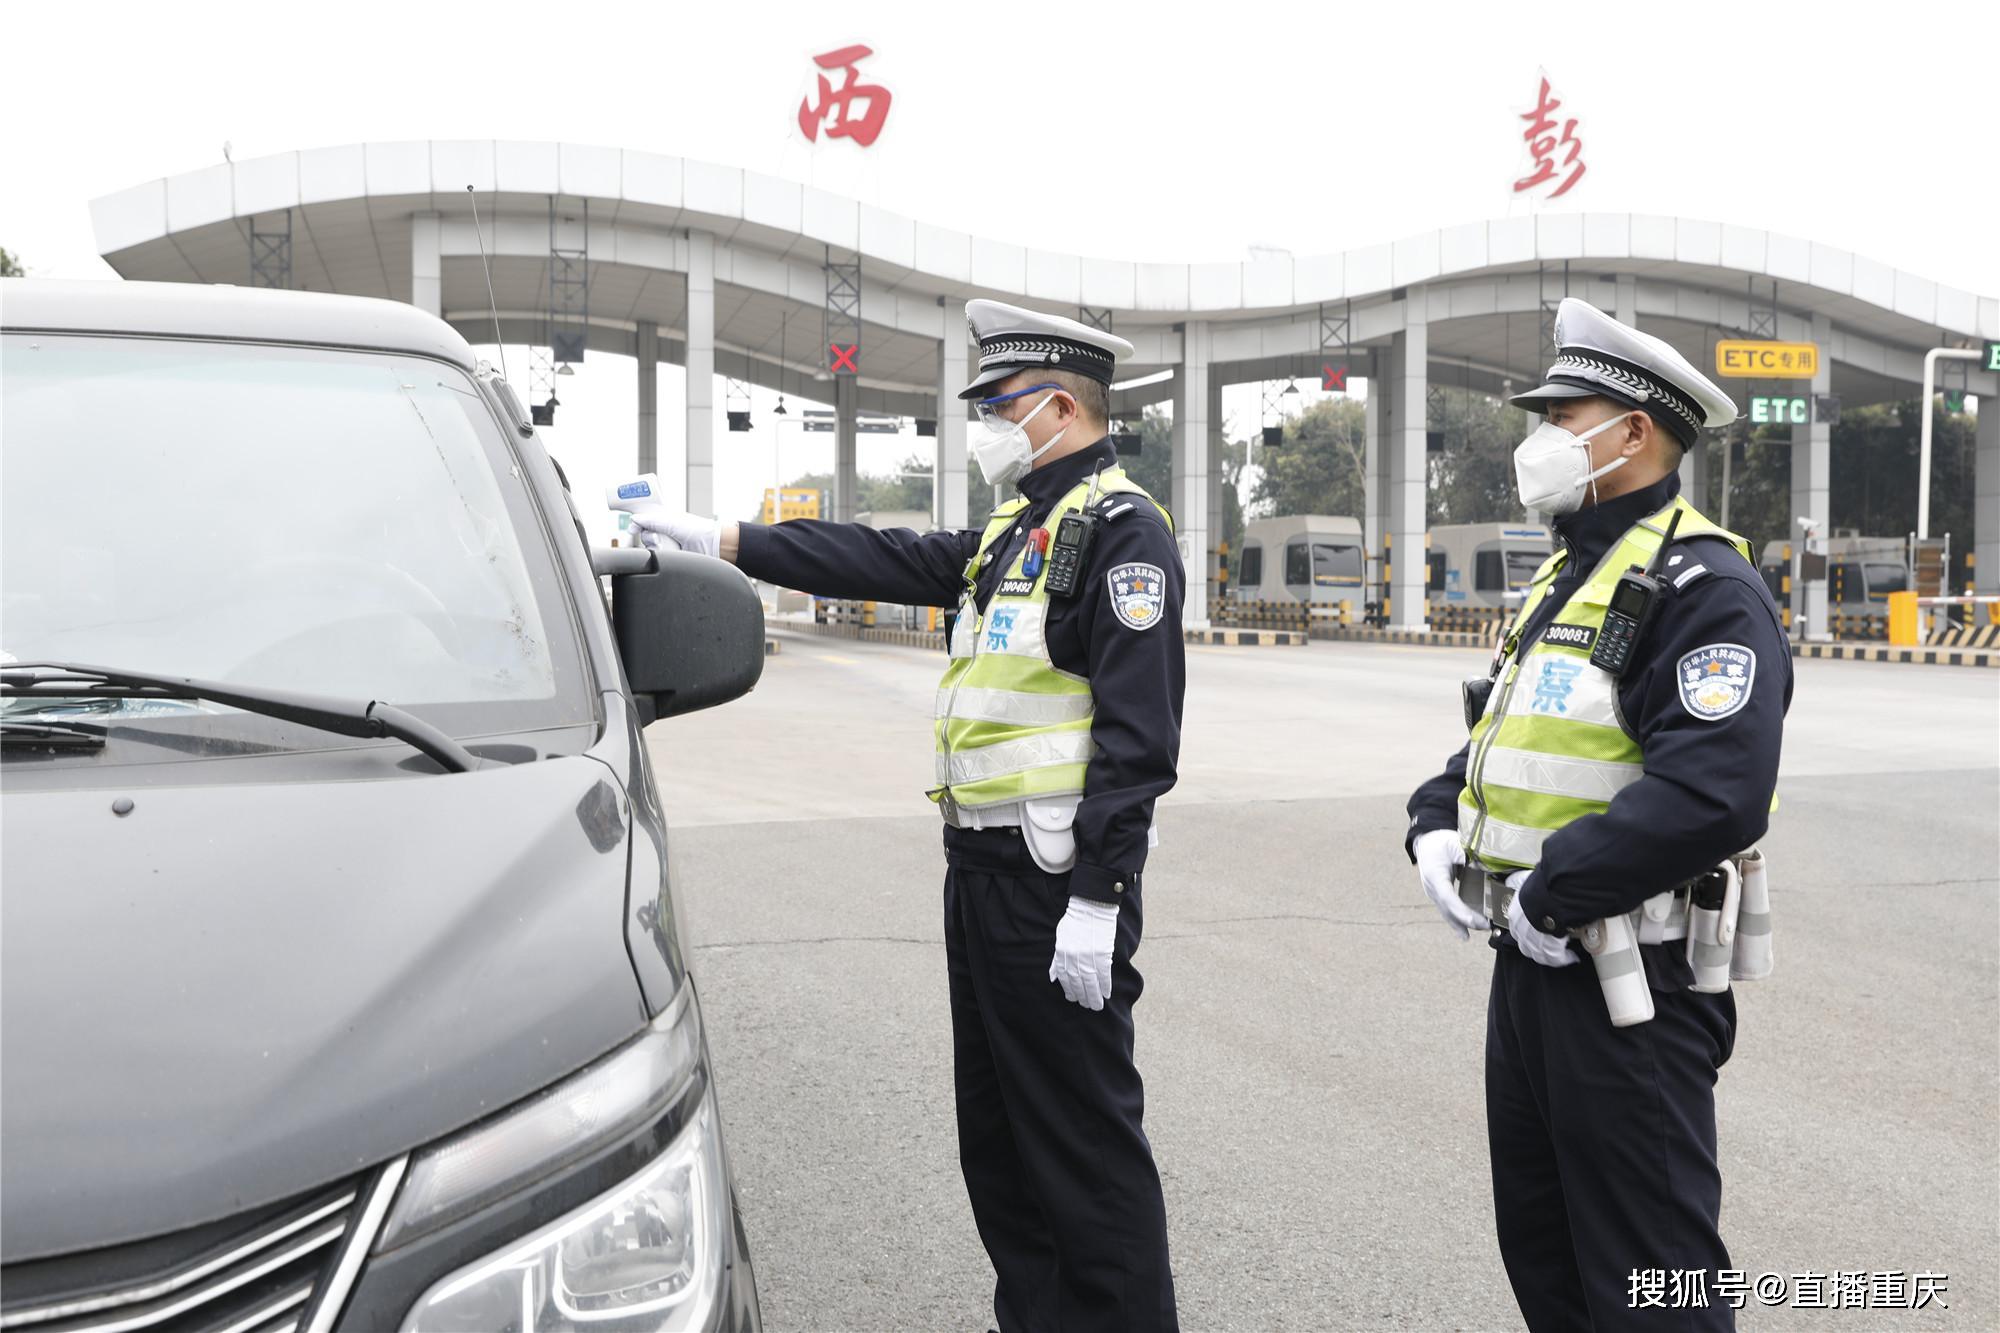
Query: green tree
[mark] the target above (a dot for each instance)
(10, 267)
(1318, 468)
(1153, 468)
(1472, 478)
(1873, 470)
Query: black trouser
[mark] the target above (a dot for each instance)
(1603, 1143)
(1060, 1174)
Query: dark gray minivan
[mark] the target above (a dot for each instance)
(339, 979)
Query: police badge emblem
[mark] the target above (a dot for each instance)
(1715, 681)
(1138, 594)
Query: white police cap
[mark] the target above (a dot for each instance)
(1012, 339)
(1597, 356)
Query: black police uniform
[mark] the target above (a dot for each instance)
(1060, 1174)
(1602, 1139)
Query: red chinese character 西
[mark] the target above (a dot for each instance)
(1543, 143)
(838, 107)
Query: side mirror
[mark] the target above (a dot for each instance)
(691, 633)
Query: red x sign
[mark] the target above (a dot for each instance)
(1331, 378)
(843, 358)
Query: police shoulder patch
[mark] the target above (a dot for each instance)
(1138, 594)
(1715, 680)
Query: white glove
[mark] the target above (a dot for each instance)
(1438, 852)
(1084, 939)
(672, 529)
(1548, 950)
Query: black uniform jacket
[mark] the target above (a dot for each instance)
(1136, 667)
(1707, 786)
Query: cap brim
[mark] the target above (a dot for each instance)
(986, 377)
(1538, 398)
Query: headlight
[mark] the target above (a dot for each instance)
(632, 1086)
(645, 1256)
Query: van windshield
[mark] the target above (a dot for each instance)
(1336, 566)
(1521, 567)
(1884, 579)
(339, 522)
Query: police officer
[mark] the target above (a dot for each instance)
(1058, 727)
(1584, 793)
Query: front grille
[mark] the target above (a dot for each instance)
(255, 1273)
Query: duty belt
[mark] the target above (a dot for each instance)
(1663, 917)
(1005, 815)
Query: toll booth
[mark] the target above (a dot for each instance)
(1861, 572)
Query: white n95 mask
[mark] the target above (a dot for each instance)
(1552, 466)
(1002, 449)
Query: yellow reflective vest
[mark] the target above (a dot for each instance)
(1009, 725)
(1552, 745)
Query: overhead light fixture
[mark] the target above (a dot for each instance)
(779, 410)
(1291, 388)
(564, 369)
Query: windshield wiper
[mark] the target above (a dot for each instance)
(68, 680)
(52, 735)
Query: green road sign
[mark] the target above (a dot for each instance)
(1779, 410)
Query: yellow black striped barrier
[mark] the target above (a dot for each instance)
(1247, 638)
(1966, 636)
(1425, 638)
(1876, 652)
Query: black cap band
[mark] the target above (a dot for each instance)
(1020, 351)
(1617, 378)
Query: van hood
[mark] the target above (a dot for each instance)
(233, 994)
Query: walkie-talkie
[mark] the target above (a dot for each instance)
(1633, 601)
(1072, 546)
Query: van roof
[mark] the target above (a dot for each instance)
(1287, 525)
(233, 314)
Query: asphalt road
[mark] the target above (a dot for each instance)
(1310, 1034)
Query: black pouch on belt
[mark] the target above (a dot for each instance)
(1474, 692)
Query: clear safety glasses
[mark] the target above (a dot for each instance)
(989, 409)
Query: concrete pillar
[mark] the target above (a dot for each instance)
(1812, 449)
(1986, 497)
(949, 504)
(701, 373)
(1694, 473)
(1372, 486)
(649, 396)
(1191, 467)
(1406, 466)
(1216, 437)
(846, 422)
(426, 265)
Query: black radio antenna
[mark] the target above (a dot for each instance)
(1659, 556)
(492, 304)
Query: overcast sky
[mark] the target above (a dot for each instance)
(1154, 134)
